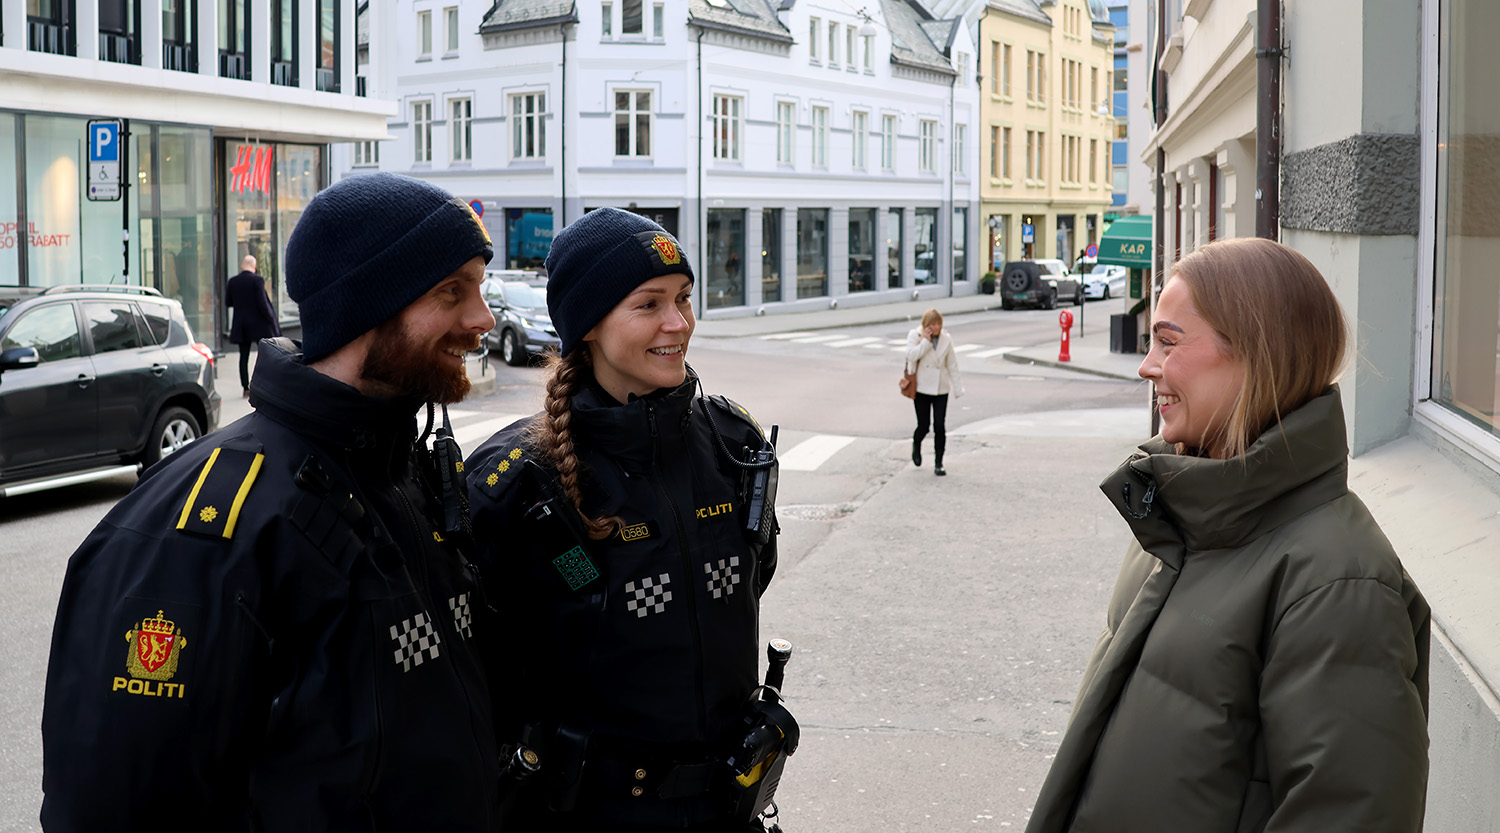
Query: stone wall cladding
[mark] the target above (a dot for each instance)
(1369, 183)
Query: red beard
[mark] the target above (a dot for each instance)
(398, 360)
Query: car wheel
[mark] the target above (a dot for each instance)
(174, 429)
(510, 349)
(1051, 302)
(1016, 280)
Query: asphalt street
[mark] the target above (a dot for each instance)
(940, 625)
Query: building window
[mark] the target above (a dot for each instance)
(786, 131)
(179, 24)
(727, 121)
(725, 244)
(861, 249)
(894, 274)
(869, 52)
(820, 137)
(849, 50)
(1466, 294)
(1035, 146)
(632, 123)
(1094, 101)
(1005, 152)
(833, 43)
(421, 131)
(1005, 71)
(814, 34)
(460, 128)
(658, 20)
(860, 124)
(960, 139)
(284, 43)
(366, 154)
(327, 76)
(812, 252)
(924, 235)
(450, 20)
(995, 53)
(607, 19)
(994, 152)
(927, 147)
(888, 142)
(234, 38)
(424, 35)
(1036, 77)
(528, 125)
(631, 17)
(770, 255)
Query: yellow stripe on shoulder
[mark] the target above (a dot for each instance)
(213, 507)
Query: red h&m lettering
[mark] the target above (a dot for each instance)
(251, 170)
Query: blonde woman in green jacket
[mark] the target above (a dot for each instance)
(1264, 660)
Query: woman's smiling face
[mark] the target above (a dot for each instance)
(641, 345)
(1196, 379)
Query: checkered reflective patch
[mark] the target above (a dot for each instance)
(648, 595)
(722, 577)
(416, 640)
(462, 618)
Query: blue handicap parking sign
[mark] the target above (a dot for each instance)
(104, 141)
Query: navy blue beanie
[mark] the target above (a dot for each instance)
(367, 247)
(598, 260)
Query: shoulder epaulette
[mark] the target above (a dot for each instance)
(213, 506)
(725, 405)
(497, 472)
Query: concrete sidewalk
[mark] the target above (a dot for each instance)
(1089, 354)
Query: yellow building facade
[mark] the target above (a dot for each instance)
(1047, 68)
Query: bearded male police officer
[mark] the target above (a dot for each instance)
(273, 631)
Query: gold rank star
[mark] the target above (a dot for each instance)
(208, 514)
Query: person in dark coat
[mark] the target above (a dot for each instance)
(641, 651)
(1264, 660)
(254, 317)
(275, 629)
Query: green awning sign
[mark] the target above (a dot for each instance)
(1127, 242)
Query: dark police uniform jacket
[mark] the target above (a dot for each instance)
(657, 657)
(269, 633)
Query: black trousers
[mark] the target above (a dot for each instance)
(245, 349)
(932, 410)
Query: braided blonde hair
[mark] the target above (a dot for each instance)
(552, 435)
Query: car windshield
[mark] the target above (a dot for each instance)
(525, 295)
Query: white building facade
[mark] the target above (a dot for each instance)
(805, 156)
(1389, 145)
(224, 110)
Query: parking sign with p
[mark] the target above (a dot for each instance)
(104, 160)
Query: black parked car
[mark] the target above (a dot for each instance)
(522, 324)
(96, 381)
(1027, 283)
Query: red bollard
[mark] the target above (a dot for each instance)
(1065, 318)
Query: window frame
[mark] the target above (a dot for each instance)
(421, 129)
(729, 125)
(927, 146)
(450, 25)
(461, 127)
(818, 121)
(634, 120)
(786, 132)
(859, 128)
(890, 132)
(424, 35)
(814, 35)
(528, 126)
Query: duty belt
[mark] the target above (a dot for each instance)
(643, 776)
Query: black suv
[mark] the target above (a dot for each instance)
(96, 381)
(1026, 283)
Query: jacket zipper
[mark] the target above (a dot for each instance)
(687, 565)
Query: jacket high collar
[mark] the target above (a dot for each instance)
(631, 430)
(325, 409)
(1172, 501)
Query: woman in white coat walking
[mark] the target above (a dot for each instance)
(929, 353)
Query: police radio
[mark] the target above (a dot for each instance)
(771, 734)
(760, 511)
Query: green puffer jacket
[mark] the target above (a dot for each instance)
(1264, 664)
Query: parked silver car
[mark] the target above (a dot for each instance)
(1103, 281)
(522, 325)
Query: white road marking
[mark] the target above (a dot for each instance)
(818, 339)
(471, 435)
(964, 348)
(850, 342)
(812, 452)
(781, 336)
(995, 351)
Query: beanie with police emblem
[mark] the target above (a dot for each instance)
(366, 247)
(598, 260)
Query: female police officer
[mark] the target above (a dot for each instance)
(620, 526)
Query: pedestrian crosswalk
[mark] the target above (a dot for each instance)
(810, 453)
(840, 341)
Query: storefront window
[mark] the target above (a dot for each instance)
(266, 187)
(812, 252)
(1466, 302)
(11, 232)
(895, 275)
(770, 255)
(861, 249)
(68, 239)
(960, 244)
(725, 284)
(924, 236)
(184, 160)
(299, 178)
(528, 237)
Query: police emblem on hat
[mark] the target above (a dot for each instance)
(155, 647)
(666, 249)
